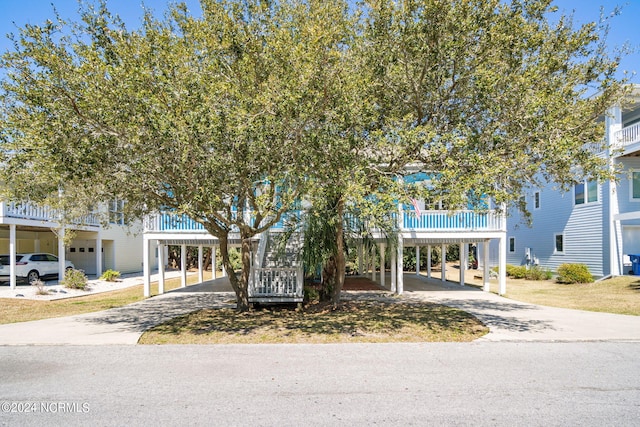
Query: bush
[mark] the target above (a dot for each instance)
(574, 273)
(41, 290)
(532, 273)
(75, 279)
(110, 275)
(537, 273)
(516, 271)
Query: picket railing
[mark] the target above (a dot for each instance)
(276, 284)
(33, 211)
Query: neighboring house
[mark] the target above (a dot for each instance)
(281, 279)
(597, 224)
(26, 227)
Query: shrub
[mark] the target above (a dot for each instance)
(537, 273)
(110, 275)
(516, 271)
(574, 273)
(40, 285)
(75, 279)
(532, 273)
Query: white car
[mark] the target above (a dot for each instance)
(31, 267)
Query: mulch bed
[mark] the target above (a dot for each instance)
(361, 284)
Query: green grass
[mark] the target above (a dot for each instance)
(352, 321)
(22, 310)
(619, 295)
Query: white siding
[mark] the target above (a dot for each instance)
(125, 252)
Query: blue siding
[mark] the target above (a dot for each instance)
(581, 226)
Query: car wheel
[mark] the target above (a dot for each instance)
(32, 276)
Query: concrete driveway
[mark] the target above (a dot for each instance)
(507, 320)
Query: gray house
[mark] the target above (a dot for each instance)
(597, 224)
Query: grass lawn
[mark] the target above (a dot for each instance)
(352, 321)
(22, 310)
(620, 295)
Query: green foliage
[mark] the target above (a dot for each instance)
(255, 104)
(574, 273)
(531, 273)
(75, 279)
(110, 275)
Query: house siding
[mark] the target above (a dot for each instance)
(125, 253)
(580, 225)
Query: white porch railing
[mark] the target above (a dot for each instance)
(439, 220)
(627, 135)
(277, 284)
(467, 220)
(33, 211)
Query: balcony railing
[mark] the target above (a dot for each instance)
(169, 222)
(461, 221)
(627, 136)
(467, 220)
(35, 212)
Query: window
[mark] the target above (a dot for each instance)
(116, 212)
(559, 242)
(635, 185)
(512, 244)
(585, 192)
(536, 200)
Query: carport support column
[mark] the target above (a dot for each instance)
(463, 261)
(200, 269)
(394, 270)
(428, 261)
(399, 274)
(485, 266)
(183, 266)
(146, 270)
(61, 254)
(502, 278)
(99, 254)
(160, 268)
(417, 260)
(443, 262)
(12, 256)
(373, 262)
(383, 269)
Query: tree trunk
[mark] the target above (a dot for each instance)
(207, 260)
(240, 286)
(340, 262)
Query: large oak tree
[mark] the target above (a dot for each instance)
(232, 116)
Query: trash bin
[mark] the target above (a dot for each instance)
(635, 264)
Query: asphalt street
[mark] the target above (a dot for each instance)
(478, 383)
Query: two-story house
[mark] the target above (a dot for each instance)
(26, 227)
(281, 279)
(597, 224)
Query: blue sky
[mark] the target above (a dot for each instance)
(624, 28)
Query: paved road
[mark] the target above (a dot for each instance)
(479, 384)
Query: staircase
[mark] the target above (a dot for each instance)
(277, 275)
